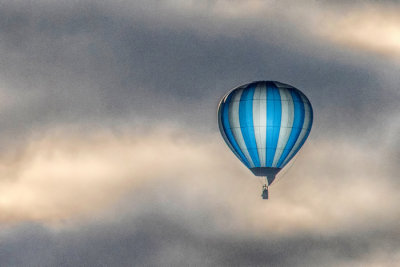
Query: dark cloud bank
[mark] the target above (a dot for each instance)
(158, 240)
(82, 63)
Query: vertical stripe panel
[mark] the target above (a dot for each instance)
(222, 129)
(235, 124)
(297, 125)
(286, 123)
(305, 131)
(227, 133)
(246, 122)
(274, 112)
(260, 120)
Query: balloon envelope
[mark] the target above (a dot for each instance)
(265, 123)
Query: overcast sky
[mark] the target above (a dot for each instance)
(110, 151)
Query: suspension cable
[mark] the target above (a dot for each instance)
(279, 176)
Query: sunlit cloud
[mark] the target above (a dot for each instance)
(372, 28)
(62, 175)
(65, 176)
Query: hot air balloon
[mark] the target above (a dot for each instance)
(265, 123)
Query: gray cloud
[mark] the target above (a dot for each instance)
(76, 77)
(82, 63)
(159, 240)
(113, 200)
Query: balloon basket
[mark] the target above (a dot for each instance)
(264, 194)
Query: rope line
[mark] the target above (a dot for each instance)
(279, 176)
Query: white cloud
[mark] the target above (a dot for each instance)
(333, 186)
(374, 28)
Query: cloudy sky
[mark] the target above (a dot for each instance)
(110, 150)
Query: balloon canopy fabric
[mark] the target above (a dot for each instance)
(265, 123)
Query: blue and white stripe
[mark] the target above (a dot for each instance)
(265, 123)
